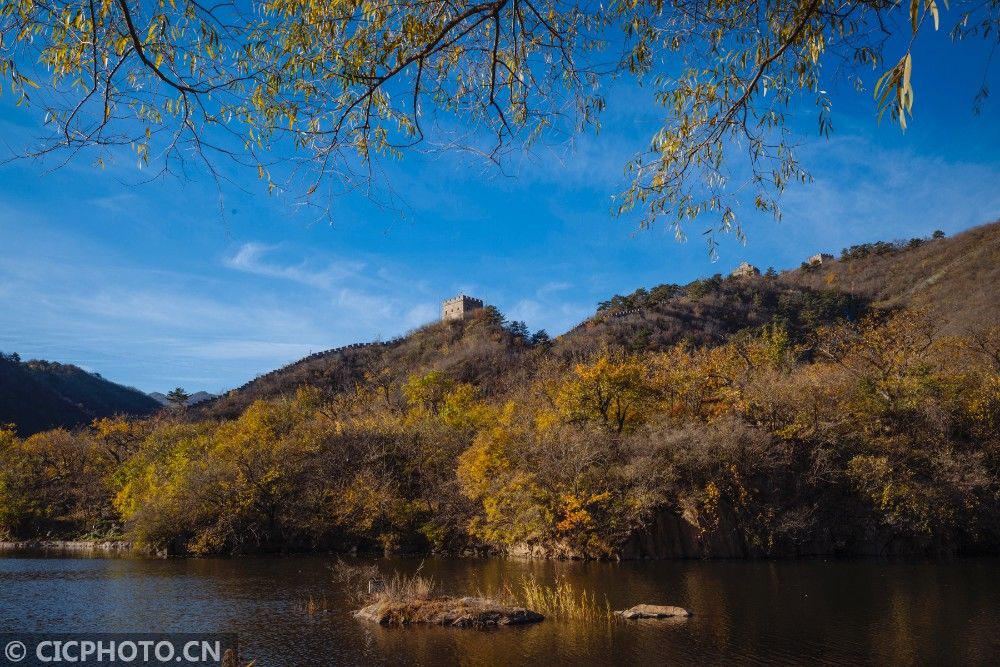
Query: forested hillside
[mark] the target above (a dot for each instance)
(491, 354)
(951, 279)
(38, 395)
(822, 410)
(480, 351)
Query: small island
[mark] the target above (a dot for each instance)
(459, 612)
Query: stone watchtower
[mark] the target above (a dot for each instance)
(745, 270)
(459, 308)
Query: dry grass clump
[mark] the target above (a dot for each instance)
(354, 579)
(313, 605)
(408, 587)
(365, 584)
(406, 611)
(232, 659)
(404, 599)
(467, 612)
(459, 612)
(562, 600)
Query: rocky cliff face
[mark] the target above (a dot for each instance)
(669, 535)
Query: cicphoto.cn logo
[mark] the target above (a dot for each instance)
(107, 649)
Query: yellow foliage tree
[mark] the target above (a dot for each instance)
(615, 390)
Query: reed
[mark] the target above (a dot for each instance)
(366, 585)
(561, 600)
(314, 606)
(411, 597)
(232, 659)
(408, 587)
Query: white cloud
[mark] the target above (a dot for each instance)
(863, 191)
(421, 314)
(555, 315)
(251, 349)
(551, 288)
(527, 310)
(250, 258)
(125, 203)
(367, 307)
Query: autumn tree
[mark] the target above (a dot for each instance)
(54, 481)
(119, 436)
(614, 390)
(211, 488)
(986, 343)
(427, 392)
(338, 84)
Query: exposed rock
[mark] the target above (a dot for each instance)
(466, 612)
(653, 611)
(673, 535)
(557, 550)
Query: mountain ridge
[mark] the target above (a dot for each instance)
(951, 278)
(921, 273)
(193, 399)
(37, 395)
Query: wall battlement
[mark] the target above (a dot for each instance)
(820, 258)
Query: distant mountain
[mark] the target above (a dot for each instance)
(39, 395)
(952, 278)
(193, 399)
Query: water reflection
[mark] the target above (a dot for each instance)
(788, 612)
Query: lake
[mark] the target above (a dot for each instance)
(813, 612)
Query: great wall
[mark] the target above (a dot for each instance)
(316, 355)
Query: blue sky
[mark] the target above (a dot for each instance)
(174, 283)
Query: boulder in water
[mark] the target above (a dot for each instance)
(653, 611)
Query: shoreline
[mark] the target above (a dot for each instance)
(127, 549)
(122, 547)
